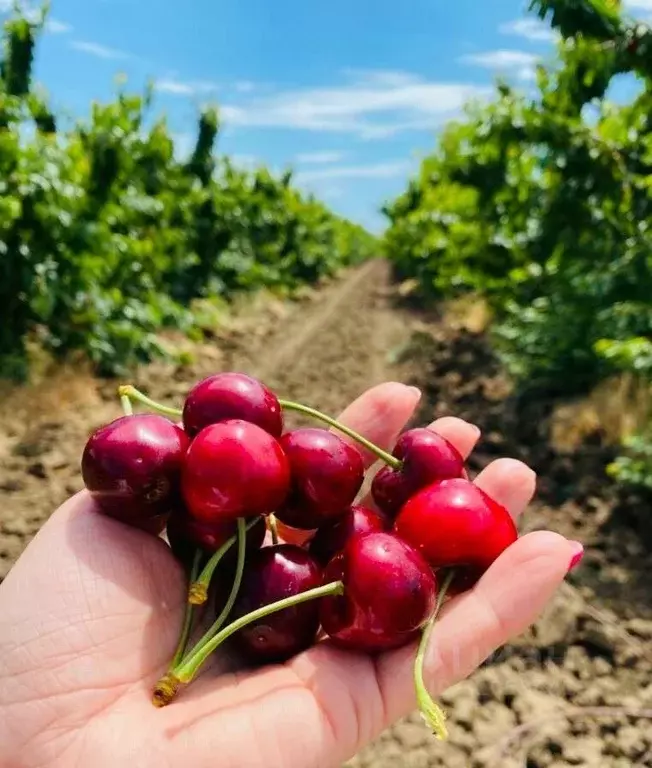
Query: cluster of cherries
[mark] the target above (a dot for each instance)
(222, 472)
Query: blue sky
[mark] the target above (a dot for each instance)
(349, 93)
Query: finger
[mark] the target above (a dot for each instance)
(379, 415)
(475, 624)
(510, 482)
(462, 434)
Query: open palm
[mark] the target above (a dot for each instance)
(90, 614)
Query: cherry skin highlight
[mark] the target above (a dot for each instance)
(234, 469)
(186, 535)
(426, 457)
(326, 473)
(390, 592)
(453, 523)
(274, 573)
(232, 395)
(132, 469)
(332, 537)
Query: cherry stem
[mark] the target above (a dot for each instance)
(273, 528)
(198, 592)
(431, 712)
(237, 581)
(126, 405)
(131, 393)
(187, 615)
(189, 668)
(390, 460)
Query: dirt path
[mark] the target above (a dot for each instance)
(592, 649)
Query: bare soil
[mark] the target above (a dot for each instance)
(576, 690)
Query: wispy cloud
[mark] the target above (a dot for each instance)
(56, 27)
(244, 86)
(530, 29)
(100, 51)
(318, 158)
(520, 63)
(371, 105)
(638, 5)
(385, 170)
(185, 88)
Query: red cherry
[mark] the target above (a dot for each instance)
(226, 396)
(455, 523)
(332, 537)
(426, 457)
(186, 534)
(390, 592)
(132, 468)
(234, 469)
(272, 574)
(326, 472)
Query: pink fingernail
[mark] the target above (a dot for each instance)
(578, 554)
(416, 391)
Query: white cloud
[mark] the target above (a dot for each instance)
(530, 29)
(638, 5)
(385, 170)
(504, 60)
(100, 51)
(244, 86)
(372, 105)
(318, 158)
(56, 27)
(184, 88)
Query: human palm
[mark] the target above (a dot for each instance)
(90, 614)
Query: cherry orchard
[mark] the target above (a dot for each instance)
(215, 475)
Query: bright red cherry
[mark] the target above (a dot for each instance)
(389, 593)
(272, 574)
(232, 395)
(332, 537)
(132, 468)
(426, 457)
(326, 472)
(234, 469)
(455, 523)
(186, 534)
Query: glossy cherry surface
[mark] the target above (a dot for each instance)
(332, 537)
(390, 592)
(272, 574)
(426, 458)
(326, 473)
(186, 534)
(232, 395)
(455, 523)
(132, 468)
(234, 469)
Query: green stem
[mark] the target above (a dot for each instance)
(131, 393)
(126, 405)
(273, 528)
(237, 581)
(390, 460)
(189, 668)
(187, 616)
(198, 592)
(430, 710)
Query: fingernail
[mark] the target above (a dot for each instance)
(578, 554)
(416, 391)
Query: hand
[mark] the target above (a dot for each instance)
(89, 618)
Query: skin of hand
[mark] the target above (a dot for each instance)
(90, 614)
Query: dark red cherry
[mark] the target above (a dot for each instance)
(234, 469)
(426, 457)
(272, 574)
(332, 537)
(186, 534)
(326, 474)
(232, 395)
(389, 594)
(132, 468)
(455, 523)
